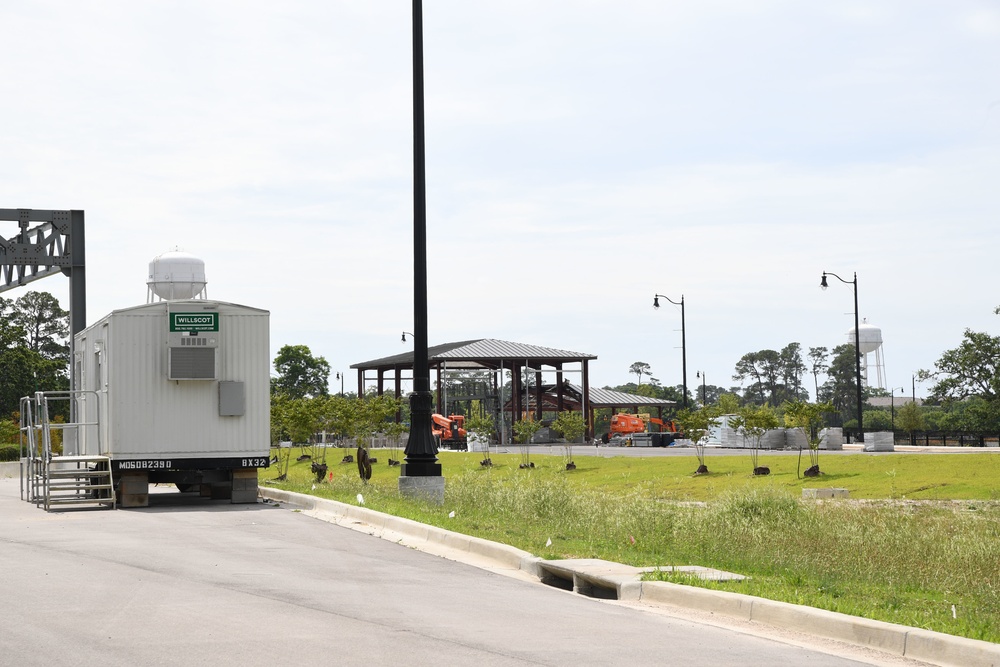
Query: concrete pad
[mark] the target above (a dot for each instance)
(430, 489)
(704, 573)
(591, 576)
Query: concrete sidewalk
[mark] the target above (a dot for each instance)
(605, 580)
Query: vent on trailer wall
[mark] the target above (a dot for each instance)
(192, 356)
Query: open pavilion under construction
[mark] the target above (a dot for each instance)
(475, 370)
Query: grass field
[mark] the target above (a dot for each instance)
(918, 543)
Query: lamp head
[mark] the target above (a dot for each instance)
(822, 282)
(403, 339)
(656, 302)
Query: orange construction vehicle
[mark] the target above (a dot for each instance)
(449, 431)
(625, 425)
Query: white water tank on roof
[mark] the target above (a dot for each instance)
(869, 338)
(176, 275)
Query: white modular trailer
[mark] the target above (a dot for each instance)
(184, 395)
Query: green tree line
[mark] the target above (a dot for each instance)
(34, 348)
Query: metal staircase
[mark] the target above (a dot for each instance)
(79, 477)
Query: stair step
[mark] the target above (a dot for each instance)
(62, 479)
(81, 501)
(74, 480)
(80, 487)
(80, 459)
(84, 477)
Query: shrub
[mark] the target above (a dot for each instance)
(9, 453)
(9, 431)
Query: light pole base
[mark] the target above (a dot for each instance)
(430, 489)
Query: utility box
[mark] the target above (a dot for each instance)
(184, 395)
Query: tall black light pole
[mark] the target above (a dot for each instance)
(421, 450)
(857, 343)
(684, 363)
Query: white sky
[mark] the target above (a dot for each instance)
(581, 156)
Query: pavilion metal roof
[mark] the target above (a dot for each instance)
(608, 398)
(479, 353)
(599, 398)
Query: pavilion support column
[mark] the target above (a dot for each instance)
(559, 388)
(381, 380)
(538, 396)
(398, 389)
(439, 410)
(515, 404)
(585, 399)
(361, 383)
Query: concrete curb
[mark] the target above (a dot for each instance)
(412, 533)
(10, 469)
(935, 648)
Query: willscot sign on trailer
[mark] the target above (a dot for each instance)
(185, 396)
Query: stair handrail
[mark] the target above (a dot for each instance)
(28, 449)
(75, 395)
(36, 438)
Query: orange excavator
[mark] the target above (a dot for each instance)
(449, 431)
(625, 424)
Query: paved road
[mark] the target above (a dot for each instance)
(191, 581)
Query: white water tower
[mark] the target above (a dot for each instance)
(176, 275)
(870, 341)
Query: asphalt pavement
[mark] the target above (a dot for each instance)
(195, 581)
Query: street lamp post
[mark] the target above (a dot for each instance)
(684, 371)
(701, 375)
(857, 344)
(420, 475)
(340, 376)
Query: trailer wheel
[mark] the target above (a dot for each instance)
(184, 488)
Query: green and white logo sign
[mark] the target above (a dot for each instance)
(194, 321)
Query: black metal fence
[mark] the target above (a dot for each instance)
(936, 438)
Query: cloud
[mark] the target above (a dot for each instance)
(580, 158)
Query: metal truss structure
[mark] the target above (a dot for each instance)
(55, 245)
